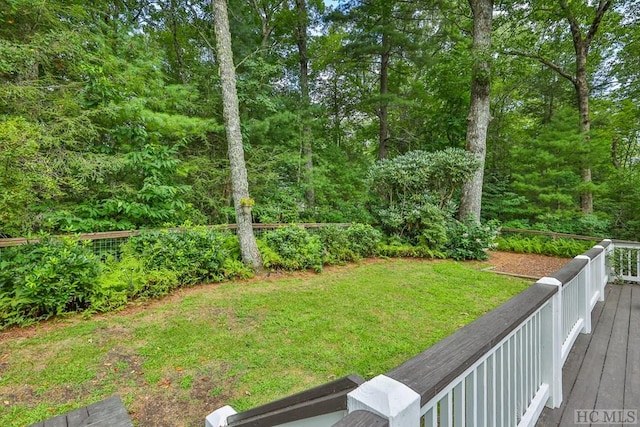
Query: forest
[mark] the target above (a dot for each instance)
(111, 114)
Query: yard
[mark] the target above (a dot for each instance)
(175, 360)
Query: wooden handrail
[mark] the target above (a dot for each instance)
(432, 370)
(321, 400)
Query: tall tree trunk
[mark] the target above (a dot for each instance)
(176, 43)
(383, 112)
(479, 111)
(239, 184)
(307, 142)
(581, 44)
(582, 92)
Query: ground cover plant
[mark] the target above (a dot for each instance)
(242, 343)
(543, 245)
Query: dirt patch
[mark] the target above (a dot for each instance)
(170, 403)
(527, 265)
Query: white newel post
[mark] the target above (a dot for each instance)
(606, 267)
(218, 418)
(552, 344)
(585, 296)
(389, 399)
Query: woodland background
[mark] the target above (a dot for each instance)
(111, 112)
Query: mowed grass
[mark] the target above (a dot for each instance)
(243, 344)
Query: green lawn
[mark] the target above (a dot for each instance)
(242, 344)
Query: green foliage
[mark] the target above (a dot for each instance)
(399, 250)
(415, 193)
(295, 248)
(336, 245)
(267, 339)
(40, 280)
(348, 244)
(414, 173)
(470, 240)
(363, 239)
(565, 248)
(195, 255)
(127, 279)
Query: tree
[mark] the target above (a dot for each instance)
(584, 23)
(377, 33)
(240, 188)
(307, 146)
(479, 111)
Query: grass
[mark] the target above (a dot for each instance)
(242, 344)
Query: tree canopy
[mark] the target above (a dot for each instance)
(111, 112)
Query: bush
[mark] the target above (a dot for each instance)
(363, 239)
(336, 245)
(470, 240)
(292, 248)
(126, 280)
(44, 279)
(348, 244)
(195, 255)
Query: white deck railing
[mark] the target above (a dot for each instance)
(504, 387)
(504, 368)
(626, 261)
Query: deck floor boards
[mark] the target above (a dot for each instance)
(603, 369)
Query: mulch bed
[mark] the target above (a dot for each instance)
(526, 265)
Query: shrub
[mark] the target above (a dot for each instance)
(335, 242)
(44, 279)
(195, 255)
(295, 248)
(470, 240)
(363, 239)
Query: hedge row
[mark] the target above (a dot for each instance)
(55, 277)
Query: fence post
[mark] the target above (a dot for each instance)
(552, 344)
(388, 398)
(585, 296)
(218, 418)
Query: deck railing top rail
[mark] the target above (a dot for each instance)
(432, 370)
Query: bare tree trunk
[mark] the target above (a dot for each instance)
(383, 112)
(176, 43)
(582, 91)
(307, 143)
(239, 184)
(479, 111)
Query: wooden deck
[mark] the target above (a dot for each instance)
(106, 413)
(602, 370)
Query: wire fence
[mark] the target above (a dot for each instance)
(109, 243)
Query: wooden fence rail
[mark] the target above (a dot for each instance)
(551, 234)
(109, 235)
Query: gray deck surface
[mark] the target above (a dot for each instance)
(106, 413)
(602, 370)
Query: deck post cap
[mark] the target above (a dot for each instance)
(388, 398)
(218, 418)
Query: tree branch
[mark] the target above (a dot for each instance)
(574, 26)
(544, 61)
(603, 6)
